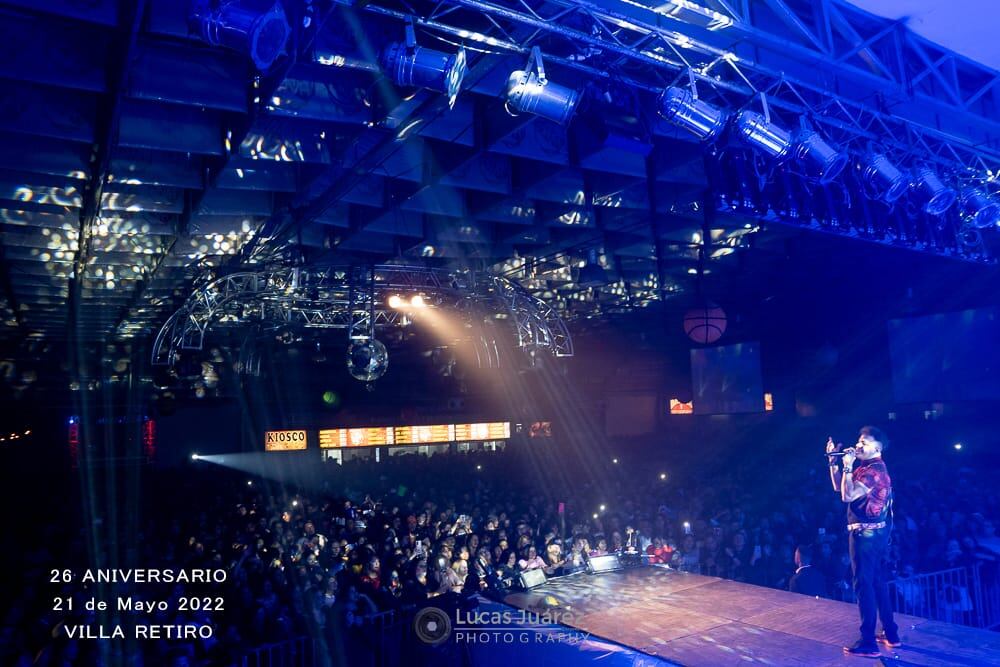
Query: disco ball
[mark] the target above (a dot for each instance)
(367, 361)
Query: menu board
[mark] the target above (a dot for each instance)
(355, 437)
(483, 431)
(422, 435)
(333, 438)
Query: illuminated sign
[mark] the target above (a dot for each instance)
(283, 441)
(334, 438)
(424, 435)
(678, 407)
(487, 431)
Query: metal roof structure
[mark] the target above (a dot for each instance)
(140, 161)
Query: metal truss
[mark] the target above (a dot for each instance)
(786, 198)
(354, 299)
(647, 47)
(536, 324)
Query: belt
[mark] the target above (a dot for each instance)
(866, 526)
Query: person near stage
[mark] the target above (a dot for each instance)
(866, 488)
(807, 579)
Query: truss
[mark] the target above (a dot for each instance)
(354, 299)
(649, 44)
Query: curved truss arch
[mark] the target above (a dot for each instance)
(354, 298)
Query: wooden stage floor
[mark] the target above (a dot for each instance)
(694, 620)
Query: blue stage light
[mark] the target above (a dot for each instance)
(529, 91)
(983, 209)
(425, 68)
(819, 158)
(764, 135)
(883, 178)
(933, 195)
(243, 27)
(682, 108)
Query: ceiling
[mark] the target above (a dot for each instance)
(138, 161)
(967, 27)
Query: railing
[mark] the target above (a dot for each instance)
(964, 595)
(300, 652)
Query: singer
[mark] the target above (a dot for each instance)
(867, 490)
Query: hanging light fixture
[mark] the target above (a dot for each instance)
(408, 64)
(819, 158)
(934, 196)
(883, 178)
(682, 108)
(242, 26)
(529, 91)
(982, 209)
(764, 135)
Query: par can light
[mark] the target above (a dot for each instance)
(982, 209)
(529, 93)
(420, 67)
(680, 107)
(933, 195)
(761, 134)
(819, 158)
(886, 181)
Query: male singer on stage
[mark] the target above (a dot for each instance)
(867, 490)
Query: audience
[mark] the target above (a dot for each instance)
(325, 560)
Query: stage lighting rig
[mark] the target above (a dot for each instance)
(408, 64)
(883, 179)
(933, 196)
(681, 107)
(982, 210)
(240, 25)
(818, 158)
(762, 134)
(530, 91)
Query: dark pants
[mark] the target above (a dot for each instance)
(869, 551)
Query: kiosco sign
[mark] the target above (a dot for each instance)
(284, 440)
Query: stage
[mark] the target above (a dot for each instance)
(693, 620)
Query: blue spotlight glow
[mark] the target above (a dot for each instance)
(933, 195)
(425, 68)
(766, 136)
(819, 158)
(981, 208)
(883, 178)
(682, 108)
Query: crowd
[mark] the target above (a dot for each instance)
(325, 559)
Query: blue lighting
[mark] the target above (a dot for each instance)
(981, 208)
(243, 27)
(768, 137)
(819, 158)
(425, 68)
(884, 179)
(934, 196)
(527, 92)
(682, 108)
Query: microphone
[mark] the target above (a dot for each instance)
(849, 449)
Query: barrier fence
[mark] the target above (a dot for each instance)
(964, 595)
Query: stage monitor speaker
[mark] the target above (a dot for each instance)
(532, 579)
(598, 564)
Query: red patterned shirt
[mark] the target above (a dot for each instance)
(873, 507)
